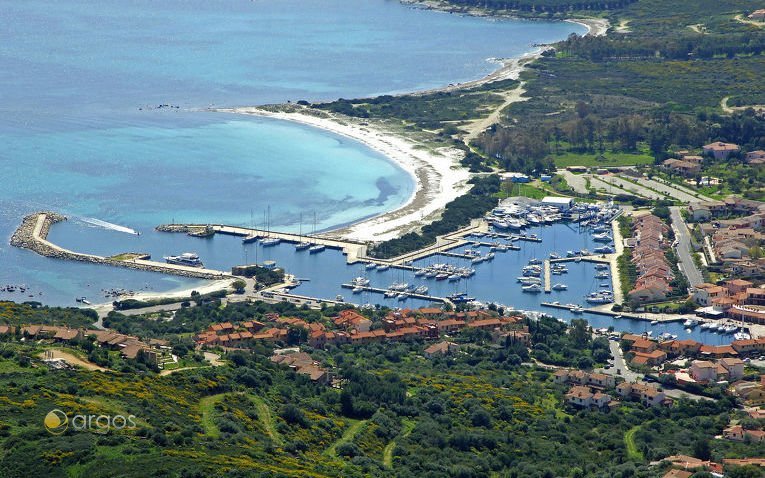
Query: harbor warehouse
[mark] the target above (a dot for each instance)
(564, 204)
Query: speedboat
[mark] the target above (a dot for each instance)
(389, 294)
(690, 323)
(454, 277)
(602, 275)
(360, 281)
(577, 309)
(534, 261)
(417, 273)
(188, 259)
(554, 255)
(371, 265)
(385, 267)
(654, 322)
(422, 290)
(358, 290)
(559, 286)
(403, 295)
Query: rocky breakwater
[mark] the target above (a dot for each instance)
(190, 229)
(33, 232)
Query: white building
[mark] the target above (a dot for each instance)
(564, 204)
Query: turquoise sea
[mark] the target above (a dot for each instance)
(81, 130)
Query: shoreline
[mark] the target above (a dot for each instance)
(437, 174)
(595, 26)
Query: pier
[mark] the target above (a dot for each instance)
(32, 234)
(410, 294)
(548, 281)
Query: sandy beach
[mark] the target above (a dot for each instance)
(437, 173)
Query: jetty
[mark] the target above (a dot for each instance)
(548, 281)
(33, 232)
(413, 295)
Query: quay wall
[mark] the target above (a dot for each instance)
(33, 232)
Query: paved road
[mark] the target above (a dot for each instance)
(577, 181)
(635, 189)
(667, 189)
(620, 366)
(684, 254)
(598, 182)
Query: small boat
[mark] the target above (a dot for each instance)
(554, 255)
(741, 336)
(362, 281)
(270, 242)
(358, 289)
(534, 261)
(706, 325)
(690, 323)
(604, 250)
(421, 290)
(602, 267)
(417, 273)
(654, 322)
(317, 248)
(371, 265)
(389, 294)
(489, 256)
(602, 275)
(339, 298)
(603, 237)
(431, 274)
(385, 267)
(532, 288)
(403, 295)
(85, 301)
(301, 246)
(559, 286)
(454, 277)
(250, 239)
(577, 309)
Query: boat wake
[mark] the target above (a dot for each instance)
(109, 225)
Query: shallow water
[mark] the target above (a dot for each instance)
(83, 134)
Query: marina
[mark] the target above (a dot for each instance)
(555, 270)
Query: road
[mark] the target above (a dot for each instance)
(620, 368)
(577, 182)
(684, 254)
(632, 188)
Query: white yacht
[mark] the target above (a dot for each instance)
(559, 286)
(188, 259)
(532, 288)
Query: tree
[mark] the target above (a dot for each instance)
(702, 450)
(239, 286)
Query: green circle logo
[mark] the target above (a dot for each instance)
(56, 422)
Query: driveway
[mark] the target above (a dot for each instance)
(684, 254)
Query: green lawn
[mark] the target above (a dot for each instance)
(207, 406)
(592, 159)
(629, 440)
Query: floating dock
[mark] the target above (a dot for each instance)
(378, 290)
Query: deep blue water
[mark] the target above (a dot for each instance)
(82, 134)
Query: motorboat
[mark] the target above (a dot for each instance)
(417, 273)
(317, 248)
(385, 267)
(421, 290)
(358, 290)
(554, 255)
(741, 336)
(301, 246)
(532, 288)
(188, 259)
(690, 323)
(602, 267)
(270, 242)
(559, 286)
(371, 265)
(535, 261)
(360, 281)
(602, 275)
(654, 322)
(577, 309)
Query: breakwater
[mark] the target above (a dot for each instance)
(32, 234)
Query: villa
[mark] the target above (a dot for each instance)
(720, 150)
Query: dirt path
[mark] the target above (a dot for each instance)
(72, 359)
(479, 126)
(267, 420)
(740, 18)
(732, 109)
(406, 428)
(207, 406)
(348, 435)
